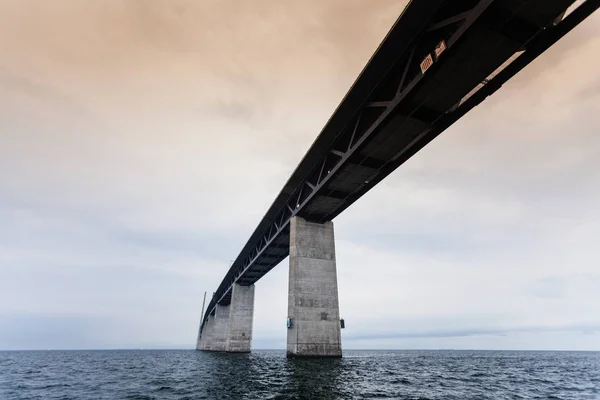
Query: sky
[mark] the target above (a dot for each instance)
(141, 142)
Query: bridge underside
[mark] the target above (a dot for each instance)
(439, 60)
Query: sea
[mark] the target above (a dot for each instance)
(189, 374)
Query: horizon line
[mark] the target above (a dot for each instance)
(283, 349)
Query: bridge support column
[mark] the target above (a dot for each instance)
(313, 306)
(230, 327)
(218, 338)
(241, 312)
(201, 340)
(207, 334)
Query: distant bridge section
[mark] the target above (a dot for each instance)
(439, 60)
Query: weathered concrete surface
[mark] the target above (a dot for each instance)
(313, 295)
(218, 337)
(241, 313)
(201, 341)
(207, 334)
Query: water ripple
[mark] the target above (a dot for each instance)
(182, 374)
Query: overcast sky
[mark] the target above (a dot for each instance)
(141, 141)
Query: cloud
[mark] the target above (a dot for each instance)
(549, 287)
(589, 330)
(141, 143)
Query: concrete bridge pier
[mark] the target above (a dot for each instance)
(204, 341)
(230, 328)
(241, 313)
(199, 341)
(220, 329)
(313, 306)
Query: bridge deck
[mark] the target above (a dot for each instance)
(397, 106)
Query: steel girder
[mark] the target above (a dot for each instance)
(396, 67)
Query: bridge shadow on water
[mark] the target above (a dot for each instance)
(270, 375)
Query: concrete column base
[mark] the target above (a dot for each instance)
(313, 294)
(241, 313)
(200, 340)
(230, 328)
(205, 339)
(220, 329)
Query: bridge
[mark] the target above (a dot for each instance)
(439, 60)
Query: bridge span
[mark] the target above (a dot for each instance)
(439, 60)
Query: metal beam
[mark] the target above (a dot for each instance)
(298, 204)
(299, 191)
(449, 21)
